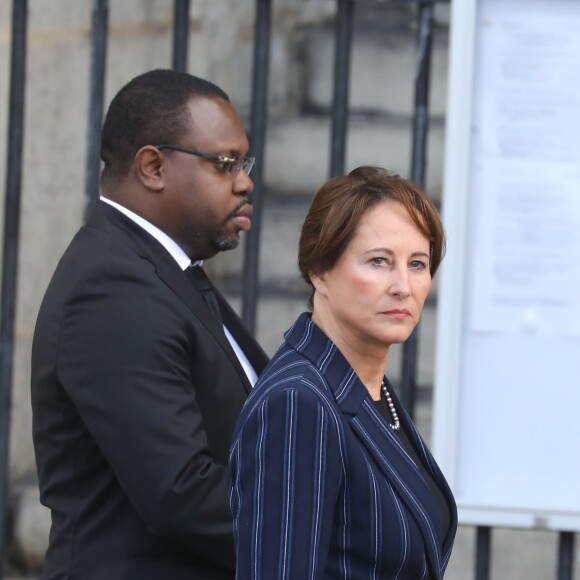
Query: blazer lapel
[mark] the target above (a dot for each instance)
(436, 474)
(108, 218)
(394, 462)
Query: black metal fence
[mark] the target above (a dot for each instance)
(340, 117)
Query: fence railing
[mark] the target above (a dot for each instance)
(15, 139)
(259, 116)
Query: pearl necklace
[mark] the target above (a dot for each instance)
(391, 405)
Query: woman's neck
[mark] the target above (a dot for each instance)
(367, 360)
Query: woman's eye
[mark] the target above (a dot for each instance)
(418, 265)
(378, 261)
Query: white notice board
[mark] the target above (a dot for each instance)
(507, 385)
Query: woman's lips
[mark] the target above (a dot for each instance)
(396, 313)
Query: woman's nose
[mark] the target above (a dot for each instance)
(400, 283)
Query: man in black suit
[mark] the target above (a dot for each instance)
(137, 376)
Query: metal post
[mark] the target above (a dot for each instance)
(100, 18)
(343, 44)
(483, 553)
(422, 79)
(10, 253)
(418, 165)
(257, 140)
(566, 556)
(180, 35)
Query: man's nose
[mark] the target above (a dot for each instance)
(243, 183)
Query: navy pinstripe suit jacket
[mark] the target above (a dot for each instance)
(320, 486)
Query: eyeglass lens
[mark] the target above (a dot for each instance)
(245, 164)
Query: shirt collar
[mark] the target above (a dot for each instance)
(170, 245)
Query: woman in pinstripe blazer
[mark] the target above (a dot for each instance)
(329, 477)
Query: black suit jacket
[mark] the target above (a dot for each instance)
(135, 394)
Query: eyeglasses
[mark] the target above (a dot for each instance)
(233, 164)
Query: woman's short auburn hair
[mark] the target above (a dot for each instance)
(339, 205)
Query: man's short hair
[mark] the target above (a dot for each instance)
(150, 109)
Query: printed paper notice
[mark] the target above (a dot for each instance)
(526, 173)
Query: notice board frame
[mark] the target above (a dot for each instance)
(455, 386)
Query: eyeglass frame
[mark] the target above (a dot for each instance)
(234, 164)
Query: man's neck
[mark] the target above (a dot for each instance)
(170, 245)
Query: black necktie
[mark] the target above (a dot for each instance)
(202, 283)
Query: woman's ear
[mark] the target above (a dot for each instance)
(149, 168)
(319, 282)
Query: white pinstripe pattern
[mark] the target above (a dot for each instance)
(375, 509)
(318, 496)
(405, 534)
(289, 474)
(259, 491)
(410, 493)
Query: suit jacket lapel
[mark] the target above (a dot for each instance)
(114, 222)
(436, 474)
(396, 465)
(254, 353)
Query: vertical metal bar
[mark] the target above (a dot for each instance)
(343, 45)
(180, 35)
(422, 79)
(257, 140)
(10, 252)
(418, 165)
(483, 553)
(566, 556)
(99, 29)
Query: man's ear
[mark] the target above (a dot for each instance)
(149, 168)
